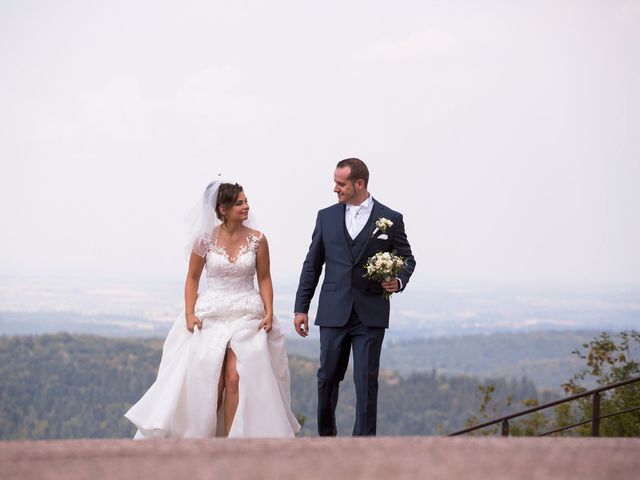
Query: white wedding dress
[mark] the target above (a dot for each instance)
(182, 401)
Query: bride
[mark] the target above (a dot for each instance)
(224, 369)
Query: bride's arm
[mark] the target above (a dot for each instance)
(263, 272)
(196, 264)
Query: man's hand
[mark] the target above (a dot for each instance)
(391, 286)
(301, 322)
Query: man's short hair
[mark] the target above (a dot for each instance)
(358, 168)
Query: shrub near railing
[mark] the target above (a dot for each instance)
(609, 361)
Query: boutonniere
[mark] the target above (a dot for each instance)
(382, 224)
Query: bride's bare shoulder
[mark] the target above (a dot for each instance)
(255, 233)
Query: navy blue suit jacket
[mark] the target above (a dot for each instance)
(344, 287)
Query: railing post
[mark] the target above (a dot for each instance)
(505, 428)
(595, 415)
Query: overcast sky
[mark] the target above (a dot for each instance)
(507, 133)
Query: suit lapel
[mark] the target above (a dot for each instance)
(371, 227)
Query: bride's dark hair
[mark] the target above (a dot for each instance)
(227, 196)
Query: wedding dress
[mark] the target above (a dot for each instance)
(182, 402)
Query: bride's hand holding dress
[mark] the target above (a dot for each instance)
(192, 322)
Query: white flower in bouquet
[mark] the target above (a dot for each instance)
(384, 266)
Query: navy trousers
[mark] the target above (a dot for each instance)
(335, 346)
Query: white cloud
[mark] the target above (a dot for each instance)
(217, 97)
(417, 46)
(118, 109)
(28, 120)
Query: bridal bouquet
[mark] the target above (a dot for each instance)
(384, 266)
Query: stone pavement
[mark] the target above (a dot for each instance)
(435, 458)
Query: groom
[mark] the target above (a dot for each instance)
(352, 311)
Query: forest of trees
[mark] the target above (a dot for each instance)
(542, 357)
(77, 386)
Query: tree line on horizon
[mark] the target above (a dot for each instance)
(78, 386)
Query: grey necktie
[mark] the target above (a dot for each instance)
(352, 225)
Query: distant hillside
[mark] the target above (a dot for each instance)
(64, 386)
(543, 357)
(75, 386)
(43, 323)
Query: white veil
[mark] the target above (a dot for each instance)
(202, 220)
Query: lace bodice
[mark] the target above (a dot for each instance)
(236, 274)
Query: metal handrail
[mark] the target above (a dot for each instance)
(621, 412)
(595, 419)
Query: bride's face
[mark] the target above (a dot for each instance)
(239, 211)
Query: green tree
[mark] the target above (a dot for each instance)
(486, 406)
(609, 360)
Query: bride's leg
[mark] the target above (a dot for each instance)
(231, 393)
(221, 384)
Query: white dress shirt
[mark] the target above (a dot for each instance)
(357, 216)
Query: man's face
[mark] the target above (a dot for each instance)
(345, 188)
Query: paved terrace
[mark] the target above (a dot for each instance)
(433, 458)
